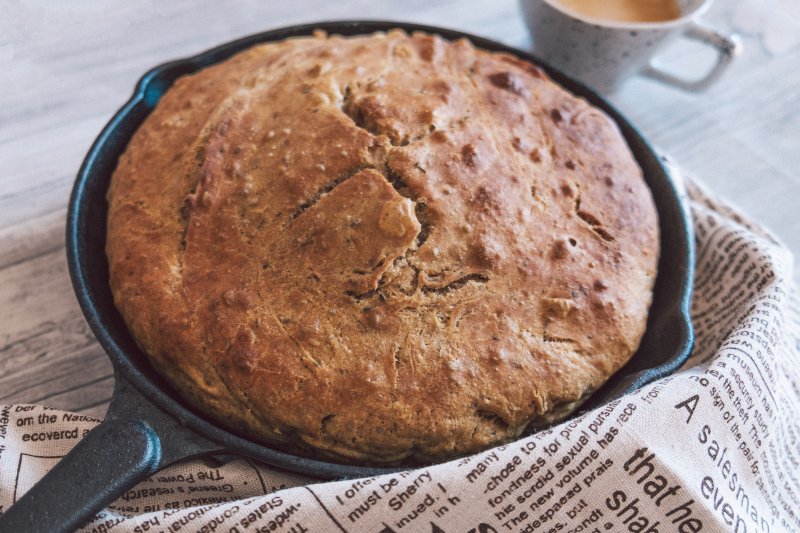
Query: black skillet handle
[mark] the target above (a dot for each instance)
(110, 459)
(136, 439)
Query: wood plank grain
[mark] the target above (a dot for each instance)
(32, 237)
(46, 346)
(50, 361)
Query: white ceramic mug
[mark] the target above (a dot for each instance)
(604, 53)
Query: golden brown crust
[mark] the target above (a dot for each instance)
(382, 247)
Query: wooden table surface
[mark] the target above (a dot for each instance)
(66, 67)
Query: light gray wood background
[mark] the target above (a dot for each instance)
(66, 67)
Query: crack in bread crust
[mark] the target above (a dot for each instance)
(380, 248)
(325, 189)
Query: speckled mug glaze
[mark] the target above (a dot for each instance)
(604, 53)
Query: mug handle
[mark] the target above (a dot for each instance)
(728, 47)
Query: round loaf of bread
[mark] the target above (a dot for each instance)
(381, 247)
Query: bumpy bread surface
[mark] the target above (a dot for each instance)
(382, 247)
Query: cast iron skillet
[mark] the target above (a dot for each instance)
(149, 427)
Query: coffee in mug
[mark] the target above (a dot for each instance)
(625, 10)
(604, 42)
